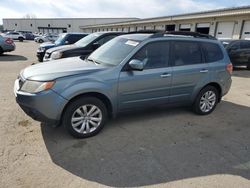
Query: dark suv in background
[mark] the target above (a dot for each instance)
(82, 47)
(63, 39)
(239, 52)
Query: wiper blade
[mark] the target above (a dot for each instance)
(94, 61)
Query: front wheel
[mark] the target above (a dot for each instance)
(85, 117)
(206, 100)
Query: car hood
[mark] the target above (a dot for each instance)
(47, 45)
(62, 48)
(60, 68)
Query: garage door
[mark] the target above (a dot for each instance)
(246, 30)
(225, 30)
(185, 27)
(203, 28)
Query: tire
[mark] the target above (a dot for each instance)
(83, 126)
(248, 65)
(21, 39)
(201, 106)
(1, 51)
(40, 59)
(40, 41)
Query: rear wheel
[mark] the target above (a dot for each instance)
(40, 40)
(248, 65)
(1, 51)
(21, 39)
(85, 117)
(206, 100)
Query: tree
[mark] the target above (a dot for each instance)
(29, 16)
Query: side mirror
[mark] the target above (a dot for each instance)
(136, 64)
(96, 45)
(66, 42)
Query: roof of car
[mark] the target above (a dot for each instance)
(75, 33)
(137, 36)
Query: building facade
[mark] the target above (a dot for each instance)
(56, 25)
(230, 23)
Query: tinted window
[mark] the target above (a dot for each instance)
(88, 39)
(186, 53)
(105, 39)
(245, 44)
(154, 55)
(74, 38)
(212, 52)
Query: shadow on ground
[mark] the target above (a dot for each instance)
(9, 57)
(158, 146)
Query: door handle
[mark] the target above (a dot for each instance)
(203, 71)
(165, 75)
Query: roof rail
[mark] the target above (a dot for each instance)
(145, 31)
(183, 33)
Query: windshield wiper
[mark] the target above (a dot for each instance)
(94, 61)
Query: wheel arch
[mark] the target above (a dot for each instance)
(217, 86)
(100, 96)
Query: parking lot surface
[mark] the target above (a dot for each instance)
(165, 147)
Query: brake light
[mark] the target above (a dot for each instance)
(9, 41)
(229, 68)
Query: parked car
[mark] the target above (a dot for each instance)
(128, 72)
(29, 36)
(6, 45)
(83, 47)
(239, 52)
(63, 39)
(46, 38)
(14, 36)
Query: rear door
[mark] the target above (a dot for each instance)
(150, 86)
(189, 69)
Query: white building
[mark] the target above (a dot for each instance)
(55, 25)
(222, 23)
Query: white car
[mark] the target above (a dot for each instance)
(46, 38)
(14, 35)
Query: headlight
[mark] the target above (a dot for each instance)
(35, 86)
(56, 55)
(42, 49)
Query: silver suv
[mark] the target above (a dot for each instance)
(130, 71)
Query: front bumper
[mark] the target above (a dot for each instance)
(46, 106)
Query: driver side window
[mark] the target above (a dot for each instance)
(154, 55)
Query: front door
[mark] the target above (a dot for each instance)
(150, 86)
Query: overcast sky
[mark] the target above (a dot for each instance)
(108, 8)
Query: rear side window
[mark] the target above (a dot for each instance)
(212, 52)
(186, 53)
(154, 55)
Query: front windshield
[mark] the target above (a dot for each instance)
(114, 51)
(60, 38)
(88, 39)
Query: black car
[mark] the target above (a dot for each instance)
(63, 39)
(82, 48)
(239, 52)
